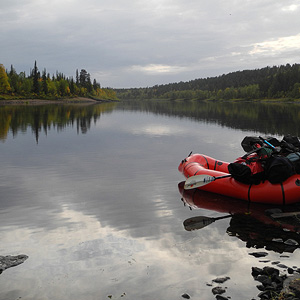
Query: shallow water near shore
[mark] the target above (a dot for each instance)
(92, 195)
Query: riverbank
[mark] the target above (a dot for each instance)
(77, 100)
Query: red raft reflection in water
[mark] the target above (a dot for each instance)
(197, 164)
(250, 222)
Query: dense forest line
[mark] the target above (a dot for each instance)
(39, 85)
(270, 82)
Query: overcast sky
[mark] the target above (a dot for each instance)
(139, 43)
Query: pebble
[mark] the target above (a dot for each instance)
(259, 254)
(220, 297)
(282, 266)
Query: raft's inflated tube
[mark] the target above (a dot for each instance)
(285, 193)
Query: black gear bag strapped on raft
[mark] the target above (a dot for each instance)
(263, 163)
(278, 169)
(249, 168)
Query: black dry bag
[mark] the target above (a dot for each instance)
(278, 169)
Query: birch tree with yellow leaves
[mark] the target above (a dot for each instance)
(4, 84)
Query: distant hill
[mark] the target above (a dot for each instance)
(269, 82)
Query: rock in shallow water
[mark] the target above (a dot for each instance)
(221, 279)
(218, 290)
(273, 283)
(11, 261)
(259, 254)
(295, 287)
(220, 297)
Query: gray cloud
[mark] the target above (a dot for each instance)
(142, 43)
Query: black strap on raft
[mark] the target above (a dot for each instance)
(282, 190)
(184, 160)
(249, 200)
(207, 164)
(283, 194)
(215, 164)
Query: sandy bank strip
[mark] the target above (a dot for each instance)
(78, 100)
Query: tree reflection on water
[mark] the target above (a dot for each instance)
(42, 118)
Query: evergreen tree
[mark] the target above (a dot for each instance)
(44, 82)
(89, 86)
(36, 77)
(96, 85)
(13, 79)
(77, 77)
(72, 86)
(83, 78)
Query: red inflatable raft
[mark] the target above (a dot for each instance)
(287, 192)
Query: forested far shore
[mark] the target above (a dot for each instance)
(39, 85)
(277, 82)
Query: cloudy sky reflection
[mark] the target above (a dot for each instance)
(115, 262)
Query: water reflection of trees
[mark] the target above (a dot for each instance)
(43, 118)
(268, 118)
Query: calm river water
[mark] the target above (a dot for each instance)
(90, 194)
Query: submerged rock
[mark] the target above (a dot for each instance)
(259, 254)
(221, 279)
(11, 261)
(220, 297)
(218, 290)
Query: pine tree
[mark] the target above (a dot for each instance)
(44, 84)
(77, 77)
(13, 80)
(35, 76)
(96, 85)
(89, 86)
(72, 86)
(83, 78)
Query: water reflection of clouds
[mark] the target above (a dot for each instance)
(169, 265)
(114, 257)
(162, 210)
(109, 257)
(200, 135)
(158, 130)
(145, 124)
